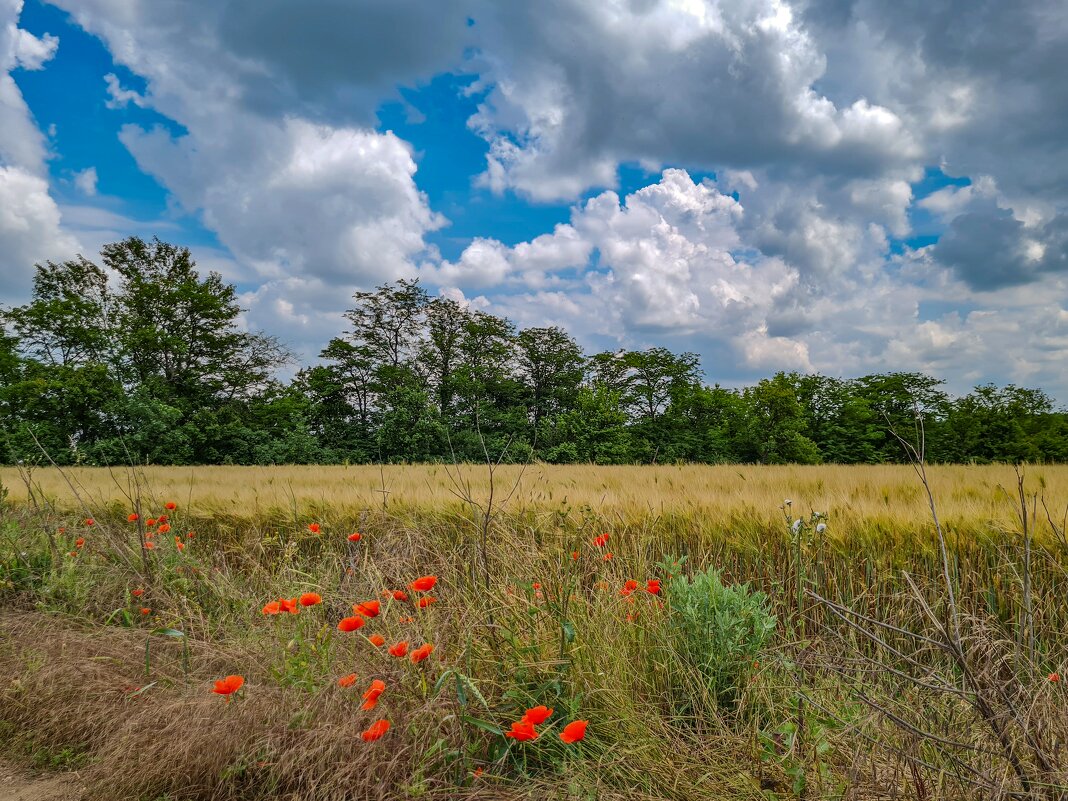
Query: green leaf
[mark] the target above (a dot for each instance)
(485, 725)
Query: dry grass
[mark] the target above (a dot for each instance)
(880, 499)
(293, 733)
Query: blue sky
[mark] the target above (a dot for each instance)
(774, 186)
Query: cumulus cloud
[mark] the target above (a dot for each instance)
(818, 118)
(30, 221)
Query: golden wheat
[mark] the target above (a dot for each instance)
(869, 498)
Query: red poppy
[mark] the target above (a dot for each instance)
(89, 521)
(377, 640)
(163, 529)
(653, 586)
(426, 601)
(421, 653)
(288, 605)
(150, 522)
(145, 610)
(179, 544)
(78, 543)
(1054, 677)
(399, 649)
(574, 731)
(601, 541)
(370, 698)
(537, 715)
(272, 608)
(310, 599)
(132, 517)
(522, 730)
(607, 556)
(629, 587)
(424, 583)
(229, 685)
(137, 593)
(399, 595)
(375, 731)
(355, 536)
(170, 506)
(575, 555)
(536, 585)
(191, 535)
(347, 681)
(314, 528)
(367, 608)
(350, 623)
(162, 519)
(149, 546)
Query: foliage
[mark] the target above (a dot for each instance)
(718, 630)
(142, 359)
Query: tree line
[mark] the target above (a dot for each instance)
(143, 360)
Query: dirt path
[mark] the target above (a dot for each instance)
(17, 784)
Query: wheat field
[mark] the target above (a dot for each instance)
(868, 498)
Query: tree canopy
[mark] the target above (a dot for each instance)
(143, 359)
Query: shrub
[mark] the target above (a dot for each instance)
(717, 631)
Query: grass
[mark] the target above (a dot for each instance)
(824, 711)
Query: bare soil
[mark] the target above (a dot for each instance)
(18, 784)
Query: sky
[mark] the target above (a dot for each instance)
(841, 186)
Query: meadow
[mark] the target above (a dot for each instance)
(694, 632)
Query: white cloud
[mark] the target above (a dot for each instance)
(30, 223)
(86, 180)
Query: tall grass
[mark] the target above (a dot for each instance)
(810, 718)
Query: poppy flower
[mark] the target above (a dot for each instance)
(536, 585)
(421, 653)
(355, 536)
(377, 640)
(375, 731)
(132, 517)
(367, 608)
(574, 731)
(574, 556)
(163, 529)
(629, 587)
(607, 556)
(314, 528)
(162, 519)
(288, 605)
(537, 715)
(272, 608)
(399, 649)
(191, 535)
(170, 506)
(78, 543)
(310, 599)
(350, 623)
(179, 544)
(601, 540)
(347, 681)
(1054, 677)
(652, 586)
(399, 595)
(424, 583)
(149, 545)
(89, 521)
(137, 593)
(426, 601)
(522, 730)
(229, 685)
(145, 610)
(150, 521)
(370, 698)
